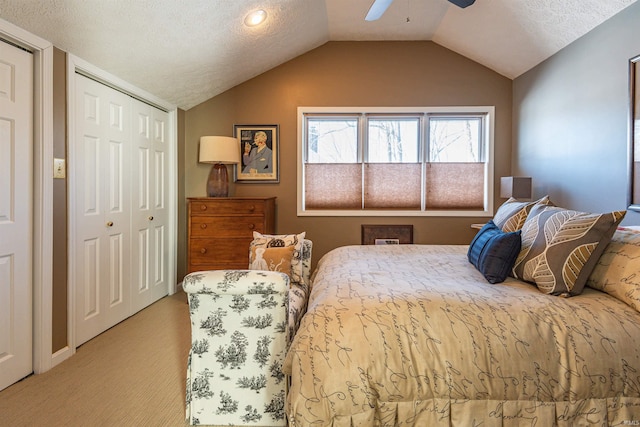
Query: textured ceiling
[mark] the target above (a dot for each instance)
(186, 51)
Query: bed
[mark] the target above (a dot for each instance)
(402, 335)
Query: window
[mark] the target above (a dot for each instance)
(395, 161)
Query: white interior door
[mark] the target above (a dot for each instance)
(150, 234)
(103, 221)
(16, 170)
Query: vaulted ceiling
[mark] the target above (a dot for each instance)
(187, 51)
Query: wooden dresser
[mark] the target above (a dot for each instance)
(221, 229)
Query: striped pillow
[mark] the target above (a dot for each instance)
(493, 252)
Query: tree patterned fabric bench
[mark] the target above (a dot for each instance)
(239, 341)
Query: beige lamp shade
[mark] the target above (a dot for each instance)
(219, 150)
(515, 186)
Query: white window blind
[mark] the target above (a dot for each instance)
(395, 161)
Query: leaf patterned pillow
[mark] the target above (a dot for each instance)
(560, 247)
(271, 259)
(512, 214)
(616, 272)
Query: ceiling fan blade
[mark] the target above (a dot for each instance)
(462, 3)
(377, 9)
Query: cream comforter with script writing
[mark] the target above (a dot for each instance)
(413, 335)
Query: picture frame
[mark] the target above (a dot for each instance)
(255, 166)
(386, 234)
(633, 133)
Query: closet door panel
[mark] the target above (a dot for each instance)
(103, 222)
(159, 203)
(149, 215)
(16, 210)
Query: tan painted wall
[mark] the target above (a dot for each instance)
(181, 239)
(348, 74)
(59, 287)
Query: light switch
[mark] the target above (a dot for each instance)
(59, 170)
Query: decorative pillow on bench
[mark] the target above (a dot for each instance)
(560, 247)
(493, 252)
(272, 259)
(268, 241)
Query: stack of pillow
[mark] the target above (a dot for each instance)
(554, 248)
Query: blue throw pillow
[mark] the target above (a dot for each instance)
(493, 252)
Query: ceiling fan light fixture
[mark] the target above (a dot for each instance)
(462, 3)
(379, 7)
(255, 18)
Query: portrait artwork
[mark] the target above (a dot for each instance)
(258, 153)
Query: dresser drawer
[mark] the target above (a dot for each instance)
(219, 251)
(226, 207)
(224, 226)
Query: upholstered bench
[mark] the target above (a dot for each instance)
(298, 267)
(238, 342)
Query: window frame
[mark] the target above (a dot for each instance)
(487, 112)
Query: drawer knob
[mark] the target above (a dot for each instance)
(203, 207)
(150, 218)
(252, 208)
(203, 226)
(203, 250)
(110, 224)
(252, 226)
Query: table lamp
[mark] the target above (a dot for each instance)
(220, 151)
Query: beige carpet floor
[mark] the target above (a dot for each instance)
(131, 375)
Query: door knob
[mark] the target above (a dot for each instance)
(110, 224)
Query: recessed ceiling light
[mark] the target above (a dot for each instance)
(254, 18)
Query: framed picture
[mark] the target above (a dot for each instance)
(634, 133)
(387, 234)
(259, 153)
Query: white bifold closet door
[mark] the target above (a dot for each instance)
(121, 219)
(150, 214)
(16, 208)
